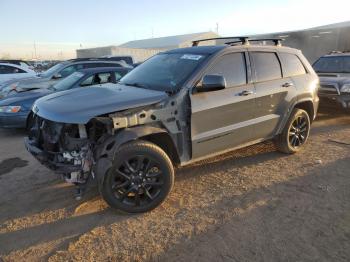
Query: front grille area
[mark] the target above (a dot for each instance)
(328, 89)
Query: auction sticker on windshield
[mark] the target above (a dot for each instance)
(191, 57)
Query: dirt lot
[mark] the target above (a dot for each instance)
(251, 205)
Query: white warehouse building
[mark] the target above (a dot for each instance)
(141, 50)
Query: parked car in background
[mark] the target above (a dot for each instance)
(21, 63)
(334, 73)
(127, 59)
(14, 72)
(15, 109)
(178, 107)
(57, 73)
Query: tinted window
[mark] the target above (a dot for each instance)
(292, 65)
(267, 66)
(10, 70)
(333, 64)
(97, 79)
(232, 67)
(94, 65)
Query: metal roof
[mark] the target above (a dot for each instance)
(168, 41)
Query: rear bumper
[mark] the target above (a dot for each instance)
(49, 159)
(13, 120)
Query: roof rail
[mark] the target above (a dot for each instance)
(243, 39)
(276, 41)
(87, 59)
(338, 52)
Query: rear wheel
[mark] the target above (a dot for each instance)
(140, 179)
(295, 133)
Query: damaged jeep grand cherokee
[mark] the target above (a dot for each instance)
(176, 108)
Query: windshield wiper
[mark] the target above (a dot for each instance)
(139, 85)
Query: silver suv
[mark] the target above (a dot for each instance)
(176, 108)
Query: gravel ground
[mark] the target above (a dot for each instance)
(254, 204)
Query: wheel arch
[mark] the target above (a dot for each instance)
(305, 104)
(157, 135)
(308, 106)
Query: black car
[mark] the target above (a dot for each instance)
(178, 107)
(334, 73)
(15, 109)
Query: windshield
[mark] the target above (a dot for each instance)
(163, 72)
(335, 64)
(51, 71)
(68, 82)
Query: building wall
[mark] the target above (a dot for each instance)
(314, 43)
(139, 55)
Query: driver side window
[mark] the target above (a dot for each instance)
(232, 67)
(97, 79)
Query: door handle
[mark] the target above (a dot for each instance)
(287, 84)
(246, 93)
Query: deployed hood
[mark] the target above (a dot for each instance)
(35, 83)
(339, 79)
(78, 106)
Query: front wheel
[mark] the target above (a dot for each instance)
(141, 177)
(295, 133)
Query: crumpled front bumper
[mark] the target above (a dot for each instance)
(49, 159)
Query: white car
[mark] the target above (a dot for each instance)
(11, 71)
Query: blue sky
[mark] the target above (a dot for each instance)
(68, 23)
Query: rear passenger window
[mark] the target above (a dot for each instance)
(4, 69)
(232, 67)
(292, 65)
(267, 66)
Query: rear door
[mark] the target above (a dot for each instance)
(222, 119)
(271, 92)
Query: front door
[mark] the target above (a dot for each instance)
(222, 119)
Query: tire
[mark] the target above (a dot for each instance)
(141, 177)
(295, 133)
(29, 122)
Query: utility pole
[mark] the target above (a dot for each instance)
(217, 28)
(35, 50)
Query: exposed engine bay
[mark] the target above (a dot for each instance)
(80, 152)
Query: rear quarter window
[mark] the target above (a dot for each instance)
(291, 64)
(267, 66)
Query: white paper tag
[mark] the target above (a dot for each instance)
(191, 57)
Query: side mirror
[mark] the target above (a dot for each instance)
(212, 83)
(57, 76)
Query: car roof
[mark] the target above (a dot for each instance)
(14, 65)
(217, 48)
(197, 50)
(337, 54)
(103, 69)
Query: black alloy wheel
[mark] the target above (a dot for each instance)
(140, 178)
(298, 131)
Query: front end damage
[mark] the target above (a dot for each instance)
(82, 152)
(63, 148)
